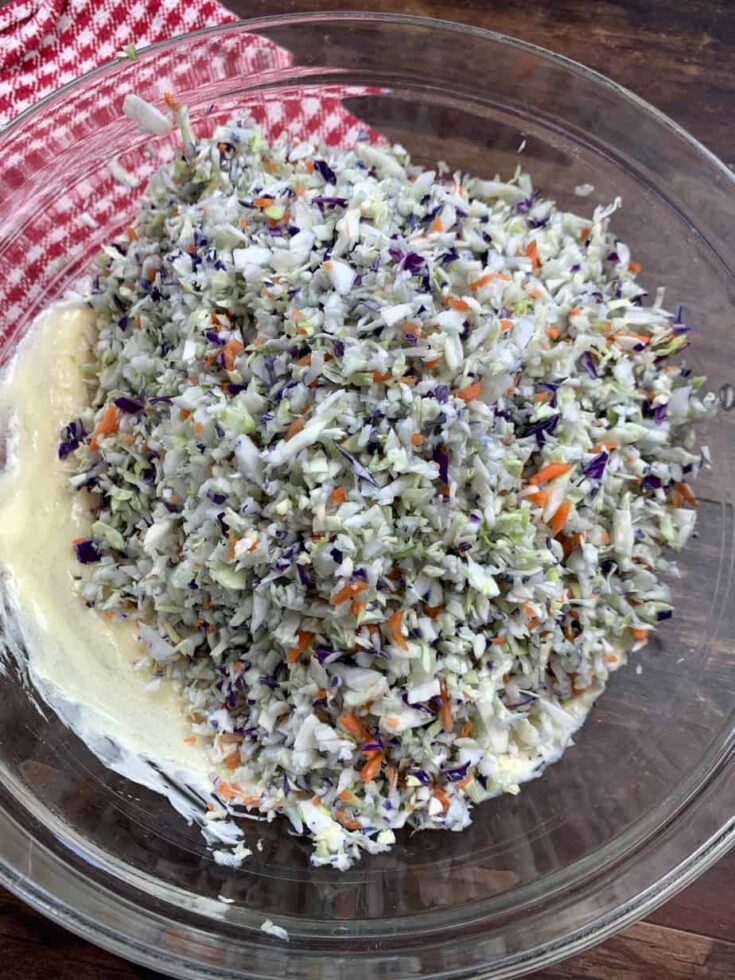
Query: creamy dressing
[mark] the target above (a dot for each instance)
(82, 664)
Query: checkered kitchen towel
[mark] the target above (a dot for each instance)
(47, 43)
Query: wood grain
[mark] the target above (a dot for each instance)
(681, 57)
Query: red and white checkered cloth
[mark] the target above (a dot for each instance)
(46, 43)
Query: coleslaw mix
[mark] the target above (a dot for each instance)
(387, 463)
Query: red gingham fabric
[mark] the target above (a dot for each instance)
(46, 43)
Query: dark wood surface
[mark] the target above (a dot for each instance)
(679, 55)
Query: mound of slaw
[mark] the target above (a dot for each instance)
(388, 465)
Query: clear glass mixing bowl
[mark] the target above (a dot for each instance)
(644, 800)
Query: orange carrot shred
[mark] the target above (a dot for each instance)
(353, 726)
(417, 439)
(638, 634)
(482, 281)
(381, 376)
(372, 767)
(295, 427)
(532, 254)
(445, 710)
(560, 518)
(539, 498)
(348, 591)
(552, 333)
(304, 641)
(394, 627)
(339, 495)
(686, 492)
(230, 351)
(466, 729)
(506, 325)
(106, 426)
(634, 267)
(549, 472)
(441, 795)
(470, 392)
(461, 305)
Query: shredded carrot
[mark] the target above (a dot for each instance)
(347, 822)
(345, 795)
(570, 542)
(506, 325)
(540, 498)
(198, 428)
(190, 740)
(612, 659)
(171, 102)
(604, 536)
(295, 427)
(339, 495)
(575, 311)
(532, 254)
(229, 352)
(391, 774)
(442, 796)
(303, 643)
(639, 338)
(356, 607)
(436, 225)
(444, 489)
(417, 439)
(585, 234)
(559, 518)
(482, 281)
(348, 591)
(380, 376)
(464, 782)
(433, 612)
(445, 710)
(353, 726)
(309, 164)
(466, 730)
(262, 202)
(498, 641)
(394, 627)
(433, 363)
(470, 392)
(634, 267)
(639, 634)
(549, 472)
(686, 492)
(552, 333)
(676, 498)
(372, 767)
(131, 234)
(304, 361)
(107, 425)
(461, 305)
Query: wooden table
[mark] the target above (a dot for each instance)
(681, 57)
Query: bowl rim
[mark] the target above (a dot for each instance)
(645, 901)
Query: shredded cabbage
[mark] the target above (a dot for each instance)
(388, 467)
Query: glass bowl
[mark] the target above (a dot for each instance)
(644, 801)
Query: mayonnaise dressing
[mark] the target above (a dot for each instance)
(82, 664)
